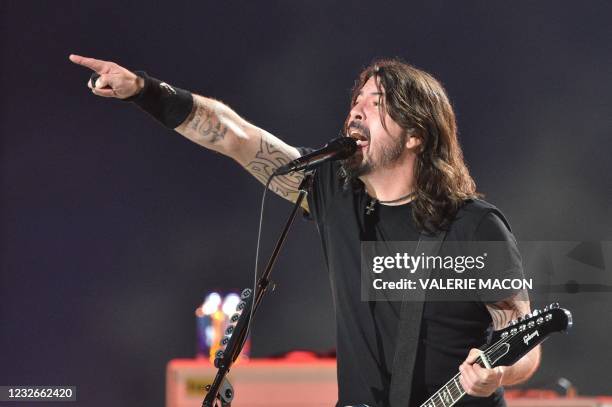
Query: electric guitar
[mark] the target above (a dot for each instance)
(508, 346)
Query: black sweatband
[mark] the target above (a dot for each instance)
(167, 104)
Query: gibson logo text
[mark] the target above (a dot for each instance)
(529, 337)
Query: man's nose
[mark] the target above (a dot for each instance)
(357, 112)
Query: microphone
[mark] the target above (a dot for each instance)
(337, 149)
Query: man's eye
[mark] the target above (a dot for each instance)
(376, 103)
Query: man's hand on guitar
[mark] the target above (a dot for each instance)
(477, 380)
(114, 82)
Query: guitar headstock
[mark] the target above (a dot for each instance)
(511, 343)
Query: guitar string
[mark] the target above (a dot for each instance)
(458, 390)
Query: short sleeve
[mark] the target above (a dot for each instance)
(325, 184)
(504, 262)
(492, 228)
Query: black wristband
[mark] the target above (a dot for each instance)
(167, 104)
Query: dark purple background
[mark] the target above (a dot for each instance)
(112, 228)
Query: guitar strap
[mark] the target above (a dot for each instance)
(409, 329)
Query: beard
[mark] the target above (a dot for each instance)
(359, 165)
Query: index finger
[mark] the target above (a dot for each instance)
(91, 63)
(472, 356)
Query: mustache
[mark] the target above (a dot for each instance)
(358, 126)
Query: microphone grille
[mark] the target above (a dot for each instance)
(346, 146)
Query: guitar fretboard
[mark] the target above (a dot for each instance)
(448, 395)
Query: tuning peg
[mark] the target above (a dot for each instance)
(527, 316)
(240, 306)
(224, 341)
(229, 330)
(246, 293)
(219, 354)
(554, 305)
(235, 318)
(535, 312)
(513, 322)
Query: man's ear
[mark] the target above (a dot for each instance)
(413, 141)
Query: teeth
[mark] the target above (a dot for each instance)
(358, 136)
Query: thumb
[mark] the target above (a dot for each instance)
(93, 80)
(102, 82)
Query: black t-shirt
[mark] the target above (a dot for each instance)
(366, 330)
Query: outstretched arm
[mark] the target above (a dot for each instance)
(210, 124)
(214, 125)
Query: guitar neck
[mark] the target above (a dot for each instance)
(448, 394)
(509, 345)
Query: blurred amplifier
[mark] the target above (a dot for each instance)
(258, 382)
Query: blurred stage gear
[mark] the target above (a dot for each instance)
(213, 318)
(307, 381)
(289, 382)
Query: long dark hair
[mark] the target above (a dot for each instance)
(418, 103)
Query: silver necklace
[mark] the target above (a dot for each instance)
(373, 201)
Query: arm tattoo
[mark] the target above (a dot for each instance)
(266, 160)
(503, 312)
(206, 124)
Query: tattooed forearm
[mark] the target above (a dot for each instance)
(501, 314)
(215, 126)
(206, 124)
(266, 160)
(505, 311)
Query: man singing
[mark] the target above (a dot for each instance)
(407, 179)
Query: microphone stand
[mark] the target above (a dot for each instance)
(221, 390)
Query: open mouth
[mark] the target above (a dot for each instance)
(362, 141)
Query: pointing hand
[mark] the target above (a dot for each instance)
(115, 81)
